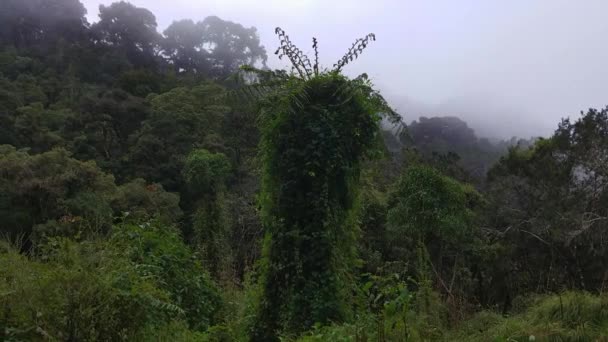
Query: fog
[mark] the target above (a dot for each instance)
(509, 68)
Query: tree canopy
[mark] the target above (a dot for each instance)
(169, 186)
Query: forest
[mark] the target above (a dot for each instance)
(169, 186)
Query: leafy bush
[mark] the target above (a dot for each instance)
(77, 291)
(159, 254)
(569, 316)
(118, 289)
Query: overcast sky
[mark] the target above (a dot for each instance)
(508, 67)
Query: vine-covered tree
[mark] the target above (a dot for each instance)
(316, 129)
(205, 174)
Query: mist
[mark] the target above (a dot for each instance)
(510, 68)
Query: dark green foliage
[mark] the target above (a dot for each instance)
(136, 172)
(40, 129)
(180, 121)
(233, 45)
(316, 130)
(76, 292)
(132, 30)
(138, 201)
(439, 137)
(313, 140)
(102, 128)
(427, 206)
(52, 188)
(24, 24)
(548, 205)
(435, 216)
(116, 289)
(53, 194)
(205, 174)
(162, 256)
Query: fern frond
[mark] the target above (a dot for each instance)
(315, 47)
(354, 51)
(300, 62)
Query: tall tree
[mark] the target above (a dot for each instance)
(24, 23)
(549, 206)
(316, 129)
(130, 29)
(184, 45)
(231, 45)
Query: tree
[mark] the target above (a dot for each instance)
(160, 253)
(184, 44)
(316, 129)
(213, 47)
(440, 137)
(139, 201)
(138, 284)
(103, 125)
(131, 30)
(205, 174)
(27, 23)
(231, 45)
(548, 208)
(39, 129)
(51, 194)
(180, 121)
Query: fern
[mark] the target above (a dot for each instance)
(298, 59)
(354, 51)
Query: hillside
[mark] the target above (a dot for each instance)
(169, 186)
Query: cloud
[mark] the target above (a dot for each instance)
(519, 65)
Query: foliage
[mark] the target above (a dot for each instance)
(315, 132)
(53, 194)
(205, 174)
(132, 30)
(136, 173)
(426, 206)
(180, 121)
(432, 226)
(449, 142)
(27, 23)
(53, 188)
(77, 291)
(311, 152)
(143, 276)
(547, 203)
(160, 254)
(568, 316)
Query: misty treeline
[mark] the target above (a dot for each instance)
(168, 186)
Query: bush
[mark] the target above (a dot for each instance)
(81, 291)
(126, 288)
(159, 253)
(569, 316)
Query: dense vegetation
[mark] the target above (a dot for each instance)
(171, 187)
